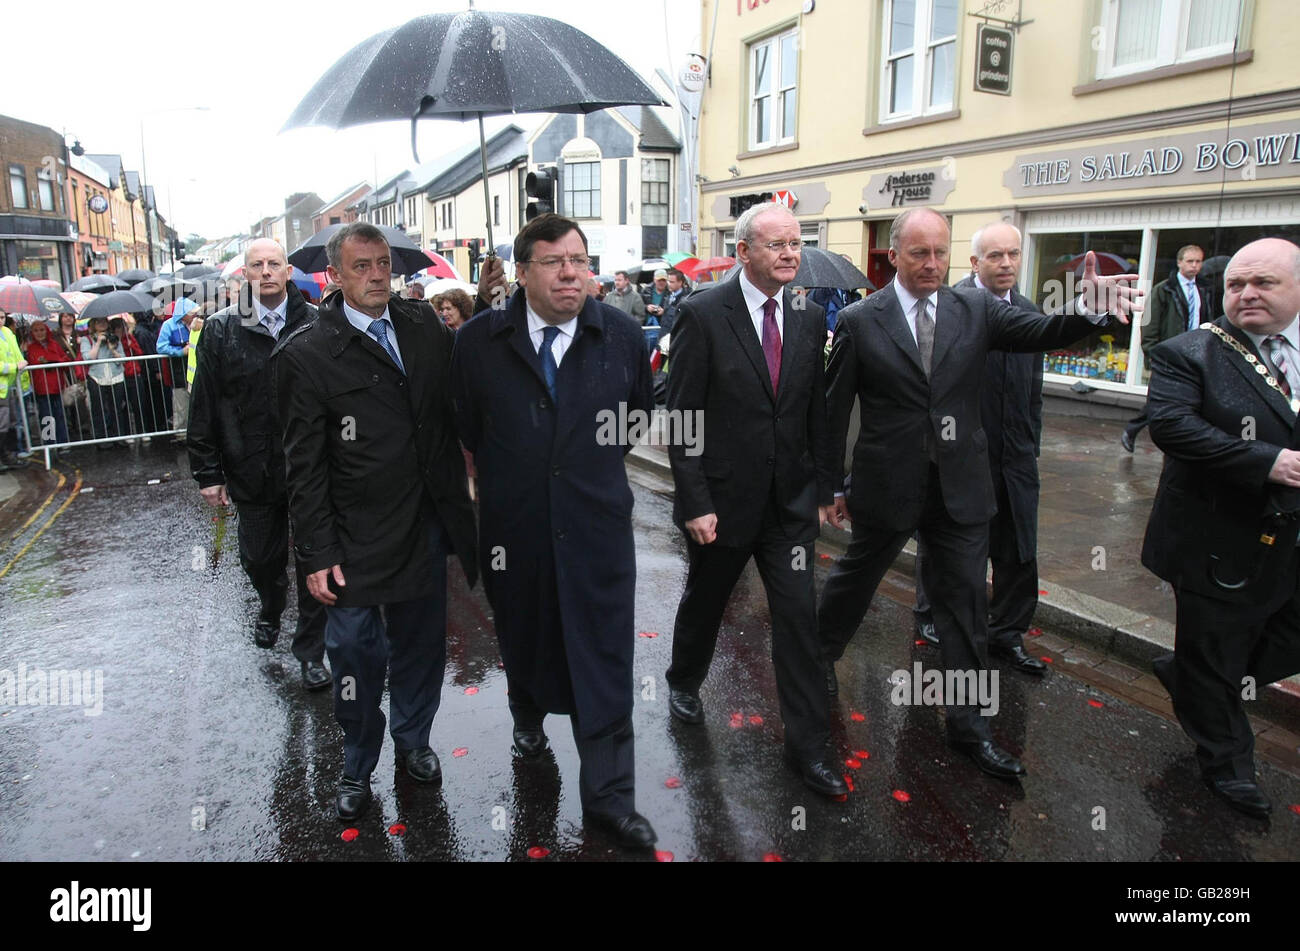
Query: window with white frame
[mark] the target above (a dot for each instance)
(496, 210)
(582, 190)
(773, 90)
(413, 212)
(45, 189)
(18, 186)
(654, 191)
(920, 57)
(1137, 35)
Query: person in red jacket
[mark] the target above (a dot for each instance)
(48, 384)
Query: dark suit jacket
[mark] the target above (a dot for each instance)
(234, 435)
(1011, 409)
(875, 360)
(1167, 314)
(371, 452)
(1214, 500)
(555, 508)
(757, 446)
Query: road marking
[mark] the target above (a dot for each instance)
(48, 522)
(63, 479)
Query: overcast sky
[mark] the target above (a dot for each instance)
(102, 72)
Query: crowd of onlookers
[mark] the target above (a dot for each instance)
(109, 392)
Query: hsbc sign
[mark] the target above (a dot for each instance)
(786, 197)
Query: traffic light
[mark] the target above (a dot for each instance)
(540, 187)
(475, 250)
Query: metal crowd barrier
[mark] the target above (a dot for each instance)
(106, 410)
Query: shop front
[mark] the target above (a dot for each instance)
(37, 248)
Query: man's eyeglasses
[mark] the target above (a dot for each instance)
(580, 262)
(776, 247)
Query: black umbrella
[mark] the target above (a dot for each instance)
(135, 275)
(156, 285)
(818, 268)
(644, 272)
(98, 284)
(407, 256)
(191, 271)
(118, 302)
(468, 65)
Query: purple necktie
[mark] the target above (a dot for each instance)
(771, 342)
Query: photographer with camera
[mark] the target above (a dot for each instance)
(106, 381)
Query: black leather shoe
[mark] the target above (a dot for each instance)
(1019, 658)
(352, 799)
(926, 632)
(265, 634)
(832, 682)
(818, 776)
(1241, 794)
(529, 744)
(633, 830)
(685, 705)
(1126, 440)
(421, 765)
(315, 676)
(988, 757)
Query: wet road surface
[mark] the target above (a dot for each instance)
(208, 748)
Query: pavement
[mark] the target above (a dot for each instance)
(187, 742)
(1094, 502)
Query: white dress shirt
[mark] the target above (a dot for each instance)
(363, 321)
(562, 340)
(1005, 295)
(908, 303)
(755, 299)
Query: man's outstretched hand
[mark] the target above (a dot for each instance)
(1117, 294)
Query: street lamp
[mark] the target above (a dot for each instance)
(144, 172)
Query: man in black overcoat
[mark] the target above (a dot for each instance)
(546, 390)
(1223, 529)
(379, 496)
(235, 449)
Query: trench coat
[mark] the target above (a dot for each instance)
(556, 543)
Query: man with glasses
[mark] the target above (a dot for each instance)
(235, 450)
(747, 357)
(541, 388)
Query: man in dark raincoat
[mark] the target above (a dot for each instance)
(542, 389)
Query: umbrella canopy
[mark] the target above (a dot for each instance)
(644, 272)
(441, 267)
(135, 275)
(234, 266)
(33, 299)
(156, 285)
(13, 279)
(196, 270)
(710, 269)
(1107, 263)
(441, 285)
(504, 251)
(98, 284)
(468, 65)
(818, 268)
(407, 257)
(78, 299)
(117, 302)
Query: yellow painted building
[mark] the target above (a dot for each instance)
(1127, 127)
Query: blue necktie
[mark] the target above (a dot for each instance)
(379, 330)
(549, 368)
(1193, 307)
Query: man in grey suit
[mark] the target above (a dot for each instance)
(913, 355)
(1011, 408)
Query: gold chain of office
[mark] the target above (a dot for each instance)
(1262, 370)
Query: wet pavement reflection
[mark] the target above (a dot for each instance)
(207, 747)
